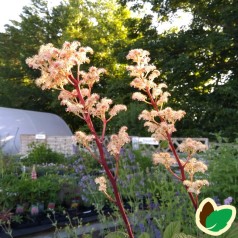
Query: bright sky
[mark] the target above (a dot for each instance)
(10, 10)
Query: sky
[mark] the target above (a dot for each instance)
(11, 9)
(179, 20)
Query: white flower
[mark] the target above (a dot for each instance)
(102, 183)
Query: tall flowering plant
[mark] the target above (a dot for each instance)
(60, 69)
(161, 120)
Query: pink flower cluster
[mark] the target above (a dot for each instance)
(191, 146)
(102, 183)
(56, 64)
(83, 139)
(118, 141)
(161, 122)
(195, 186)
(164, 158)
(153, 94)
(161, 129)
(57, 67)
(194, 166)
(191, 167)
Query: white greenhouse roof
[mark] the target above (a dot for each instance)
(16, 122)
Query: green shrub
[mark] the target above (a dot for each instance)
(40, 154)
(8, 164)
(143, 161)
(24, 189)
(8, 196)
(222, 174)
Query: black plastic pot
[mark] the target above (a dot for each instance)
(40, 223)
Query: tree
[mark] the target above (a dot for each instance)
(104, 30)
(199, 64)
(100, 25)
(21, 40)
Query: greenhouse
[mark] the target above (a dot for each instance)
(17, 122)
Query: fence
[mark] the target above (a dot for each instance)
(65, 145)
(149, 145)
(60, 144)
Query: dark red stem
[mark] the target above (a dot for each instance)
(181, 168)
(171, 145)
(103, 161)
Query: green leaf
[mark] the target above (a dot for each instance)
(144, 235)
(172, 229)
(217, 220)
(182, 235)
(117, 234)
(164, 144)
(87, 236)
(231, 233)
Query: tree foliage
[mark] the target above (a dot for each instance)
(199, 64)
(99, 24)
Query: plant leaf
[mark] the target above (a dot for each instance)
(87, 236)
(217, 220)
(144, 235)
(116, 234)
(172, 229)
(231, 233)
(182, 235)
(164, 144)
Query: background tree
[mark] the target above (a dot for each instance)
(20, 40)
(199, 64)
(100, 25)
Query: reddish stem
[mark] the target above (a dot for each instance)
(171, 145)
(119, 202)
(181, 168)
(113, 182)
(194, 201)
(103, 162)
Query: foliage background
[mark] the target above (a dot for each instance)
(198, 63)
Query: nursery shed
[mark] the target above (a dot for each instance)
(17, 122)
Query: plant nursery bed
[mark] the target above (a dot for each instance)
(44, 221)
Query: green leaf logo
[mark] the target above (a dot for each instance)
(214, 220)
